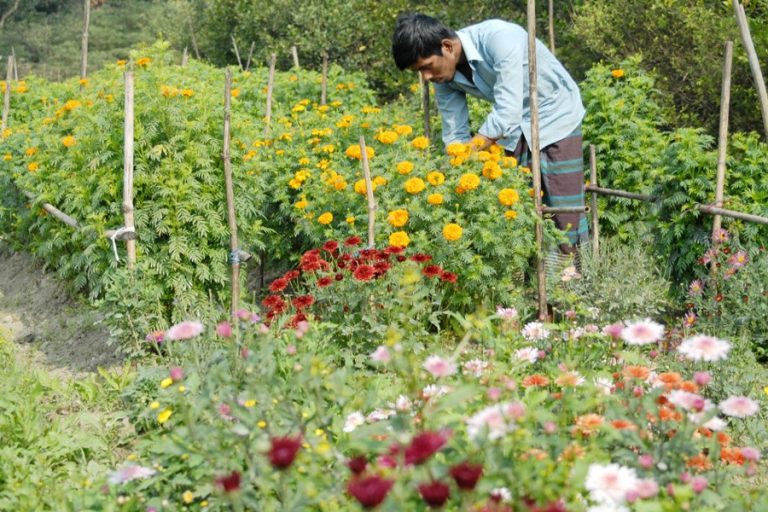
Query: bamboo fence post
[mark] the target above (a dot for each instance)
(295, 55)
(535, 161)
(270, 85)
(250, 54)
(425, 106)
(595, 219)
(7, 92)
(232, 220)
(237, 52)
(128, 168)
(192, 35)
(551, 26)
(84, 42)
(722, 145)
(184, 57)
(754, 64)
(369, 194)
(324, 87)
(713, 210)
(15, 64)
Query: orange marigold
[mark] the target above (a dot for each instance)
(535, 380)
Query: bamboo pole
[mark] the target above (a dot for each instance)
(192, 36)
(714, 210)
(295, 55)
(324, 87)
(84, 41)
(15, 65)
(184, 57)
(270, 85)
(619, 193)
(564, 209)
(237, 52)
(425, 106)
(128, 168)
(535, 161)
(722, 144)
(595, 216)
(250, 55)
(232, 220)
(369, 194)
(754, 64)
(7, 92)
(551, 26)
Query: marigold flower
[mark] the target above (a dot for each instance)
(435, 199)
(30, 151)
(33, 166)
(636, 372)
(405, 167)
(457, 149)
(387, 137)
(509, 162)
(164, 416)
(356, 152)
(492, 171)
(325, 219)
(414, 185)
(452, 232)
(403, 129)
(143, 62)
(68, 141)
(510, 214)
(469, 181)
(301, 204)
(398, 218)
(508, 196)
(617, 73)
(399, 239)
(435, 178)
(420, 143)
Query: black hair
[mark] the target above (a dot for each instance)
(418, 36)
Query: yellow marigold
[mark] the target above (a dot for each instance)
(617, 73)
(356, 152)
(235, 92)
(414, 185)
(323, 108)
(295, 183)
(508, 162)
(325, 219)
(483, 156)
(187, 93)
(510, 214)
(143, 61)
(121, 63)
(370, 110)
(420, 142)
(399, 239)
(298, 108)
(415, 88)
(168, 91)
(68, 141)
(457, 149)
(164, 416)
(456, 161)
(30, 151)
(496, 151)
(301, 204)
(188, 497)
(387, 137)
(403, 129)
(492, 170)
(469, 181)
(336, 103)
(405, 167)
(328, 148)
(435, 199)
(436, 178)
(452, 232)
(525, 170)
(379, 181)
(304, 161)
(83, 82)
(360, 187)
(166, 382)
(398, 218)
(71, 105)
(21, 87)
(33, 166)
(350, 219)
(7, 157)
(339, 183)
(508, 196)
(7, 133)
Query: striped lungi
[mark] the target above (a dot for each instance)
(562, 180)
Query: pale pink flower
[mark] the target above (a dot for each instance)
(439, 367)
(129, 473)
(506, 313)
(185, 330)
(176, 373)
(496, 420)
(604, 384)
(702, 378)
(224, 329)
(379, 415)
(688, 401)
(609, 484)
(750, 453)
(704, 348)
(698, 484)
(738, 260)
(738, 406)
(493, 393)
(381, 355)
(645, 461)
(528, 354)
(353, 421)
(302, 327)
(475, 367)
(720, 236)
(642, 332)
(403, 403)
(647, 488)
(535, 331)
(613, 330)
(696, 287)
(433, 391)
(716, 424)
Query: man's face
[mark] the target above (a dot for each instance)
(439, 68)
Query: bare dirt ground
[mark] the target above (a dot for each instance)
(51, 328)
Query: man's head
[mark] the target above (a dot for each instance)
(423, 44)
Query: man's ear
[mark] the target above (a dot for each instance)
(448, 46)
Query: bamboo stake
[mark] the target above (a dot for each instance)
(128, 168)
(754, 64)
(194, 39)
(232, 220)
(250, 54)
(295, 55)
(535, 161)
(722, 145)
(15, 64)
(369, 194)
(184, 57)
(84, 42)
(324, 87)
(7, 92)
(551, 27)
(564, 209)
(270, 85)
(237, 52)
(619, 193)
(713, 210)
(425, 106)
(595, 217)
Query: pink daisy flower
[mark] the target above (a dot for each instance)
(738, 406)
(609, 483)
(704, 348)
(381, 355)
(642, 332)
(439, 367)
(131, 472)
(185, 330)
(529, 354)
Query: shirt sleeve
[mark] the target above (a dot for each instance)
(454, 114)
(506, 53)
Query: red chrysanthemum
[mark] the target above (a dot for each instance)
(421, 257)
(432, 271)
(381, 267)
(357, 464)
(283, 451)
(466, 475)
(324, 281)
(274, 302)
(353, 241)
(278, 285)
(423, 446)
(229, 483)
(339, 277)
(367, 254)
(369, 491)
(291, 275)
(401, 258)
(331, 246)
(295, 319)
(435, 493)
(394, 250)
(303, 301)
(449, 277)
(364, 273)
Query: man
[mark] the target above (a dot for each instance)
(490, 61)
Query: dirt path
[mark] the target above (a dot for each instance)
(50, 327)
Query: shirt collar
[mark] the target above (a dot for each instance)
(468, 47)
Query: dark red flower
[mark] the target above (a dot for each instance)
(324, 281)
(364, 273)
(357, 464)
(466, 475)
(555, 506)
(278, 285)
(369, 491)
(291, 275)
(339, 277)
(381, 267)
(401, 258)
(435, 493)
(303, 301)
(353, 241)
(274, 302)
(420, 257)
(449, 277)
(283, 451)
(394, 250)
(229, 483)
(331, 246)
(367, 254)
(423, 446)
(432, 271)
(314, 264)
(295, 319)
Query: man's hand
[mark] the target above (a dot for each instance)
(481, 142)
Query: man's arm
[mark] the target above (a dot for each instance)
(454, 114)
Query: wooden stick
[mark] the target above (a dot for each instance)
(722, 144)
(595, 216)
(324, 87)
(194, 39)
(250, 54)
(754, 64)
(232, 220)
(564, 209)
(535, 161)
(15, 64)
(619, 193)
(713, 210)
(184, 57)
(7, 93)
(369, 194)
(128, 168)
(295, 54)
(237, 52)
(84, 42)
(551, 27)
(425, 106)
(270, 85)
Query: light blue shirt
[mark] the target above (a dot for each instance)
(497, 52)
